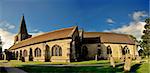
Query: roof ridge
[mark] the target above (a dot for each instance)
(53, 31)
(109, 33)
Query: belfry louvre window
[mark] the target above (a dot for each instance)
(37, 52)
(56, 50)
(25, 53)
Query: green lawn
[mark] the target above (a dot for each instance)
(91, 62)
(144, 68)
(15, 63)
(93, 69)
(31, 67)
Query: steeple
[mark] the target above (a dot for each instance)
(22, 34)
(23, 28)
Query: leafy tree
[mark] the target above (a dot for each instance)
(146, 37)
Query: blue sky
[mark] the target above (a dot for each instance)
(91, 15)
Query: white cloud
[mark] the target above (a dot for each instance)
(110, 21)
(6, 25)
(134, 27)
(36, 32)
(7, 38)
(138, 15)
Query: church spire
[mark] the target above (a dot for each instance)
(23, 28)
(22, 34)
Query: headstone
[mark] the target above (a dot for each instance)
(127, 65)
(4, 56)
(96, 58)
(112, 62)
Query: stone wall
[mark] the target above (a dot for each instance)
(116, 50)
(64, 44)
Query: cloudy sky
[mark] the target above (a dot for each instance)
(120, 16)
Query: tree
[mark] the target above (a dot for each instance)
(146, 37)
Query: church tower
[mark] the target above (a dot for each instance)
(22, 34)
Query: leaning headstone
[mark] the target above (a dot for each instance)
(112, 62)
(127, 65)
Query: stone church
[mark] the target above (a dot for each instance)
(70, 44)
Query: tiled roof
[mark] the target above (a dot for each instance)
(57, 34)
(108, 37)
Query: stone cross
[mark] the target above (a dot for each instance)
(127, 65)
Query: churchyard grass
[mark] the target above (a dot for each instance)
(91, 62)
(32, 67)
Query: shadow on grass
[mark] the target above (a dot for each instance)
(70, 69)
(135, 67)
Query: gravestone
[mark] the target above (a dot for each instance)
(4, 56)
(96, 57)
(112, 62)
(127, 65)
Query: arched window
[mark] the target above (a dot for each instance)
(123, 51)
(25, 53)
(56, 50)
(127, 51)
(109, 50)
(37, 52)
